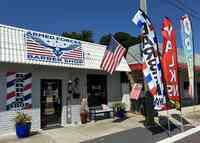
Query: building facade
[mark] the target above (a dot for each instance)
(46, 76)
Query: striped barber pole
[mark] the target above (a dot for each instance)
(11, 90)
(27, 90)
(17, 99)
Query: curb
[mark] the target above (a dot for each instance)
(14, 134)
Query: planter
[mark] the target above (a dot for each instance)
(83, 116)
(120, 114)
(23, 130)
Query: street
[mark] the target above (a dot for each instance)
(137, 135)
(194, 138)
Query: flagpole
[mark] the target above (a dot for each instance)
(143, 5)
(193, 82)
(180, 99)
(182, 126)
(168, 122)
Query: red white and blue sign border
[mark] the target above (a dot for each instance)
(53, 49)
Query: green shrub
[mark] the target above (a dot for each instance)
(22, 118)
(118, 106)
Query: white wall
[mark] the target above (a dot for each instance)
(44, 72)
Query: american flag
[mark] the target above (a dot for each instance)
(112, 56)
(52, 49)
(37, 49)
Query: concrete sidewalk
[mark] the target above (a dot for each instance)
(79, 133)
(97, 129)
(94, 130)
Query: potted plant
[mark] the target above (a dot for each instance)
(84, 110)
(22, 125)
(119, 109)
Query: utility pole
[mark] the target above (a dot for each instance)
(149, 112)
(143, 5)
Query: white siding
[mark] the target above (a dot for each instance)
(13, 50)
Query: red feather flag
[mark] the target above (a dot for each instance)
(169, 64)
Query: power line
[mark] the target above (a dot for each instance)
(194, 14)
(182, 8)
(183, 4)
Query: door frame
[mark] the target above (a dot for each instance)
(60, 96)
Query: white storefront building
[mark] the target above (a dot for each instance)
(35, 69)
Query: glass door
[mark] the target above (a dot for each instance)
(51, 104)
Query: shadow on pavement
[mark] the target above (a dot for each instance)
(32, 133)
(155, 129)
(178, 118)
(163, 121)
(138, 135)
(117, 120)
(53, 127)
(160, 127)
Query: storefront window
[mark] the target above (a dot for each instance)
(97, 90)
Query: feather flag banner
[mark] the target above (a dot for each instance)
(151, 62)
(186, 34)
(169, 64)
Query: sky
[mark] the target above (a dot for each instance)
(101, 17)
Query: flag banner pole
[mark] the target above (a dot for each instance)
(151, 62)
(169, 65)
(170, 69)
(182, 125)
(187, 40)
(168, 123)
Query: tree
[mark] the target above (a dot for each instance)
(123, 38)
(84, 35)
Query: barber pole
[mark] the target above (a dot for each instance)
(18, 101)
(27, 90)
(11, 90)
